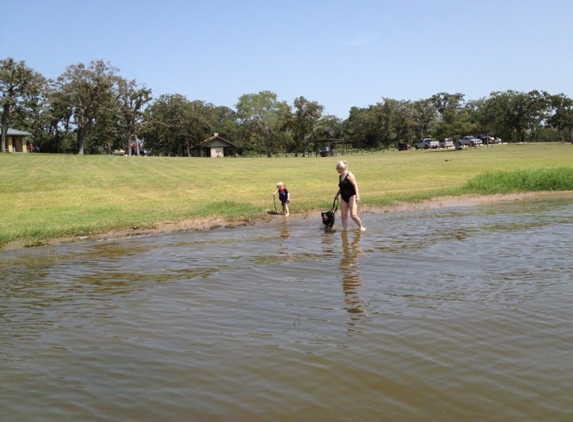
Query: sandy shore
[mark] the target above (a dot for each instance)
(214, 223)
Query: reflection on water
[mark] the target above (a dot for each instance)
(454, 314)
(351, 281)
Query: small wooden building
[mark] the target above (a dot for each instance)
(215, 146)
(16, 140)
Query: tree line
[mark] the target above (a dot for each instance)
(91, 109)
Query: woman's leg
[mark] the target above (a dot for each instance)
(353, 208)
(344, 214)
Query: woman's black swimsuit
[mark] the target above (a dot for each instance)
(347, 190)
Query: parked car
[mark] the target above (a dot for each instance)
(486, 139)
(446, 143)
(470, 141)
(426, 143)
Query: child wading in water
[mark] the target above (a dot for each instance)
(284, 196)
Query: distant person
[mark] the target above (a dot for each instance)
(348, 191)
(284, 197)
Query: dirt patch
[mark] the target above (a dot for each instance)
(464, 201)
(201, 224)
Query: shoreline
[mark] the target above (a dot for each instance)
(204, 224)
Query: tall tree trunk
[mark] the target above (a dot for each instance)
(81, 140)
(5, 125)
(130, 138)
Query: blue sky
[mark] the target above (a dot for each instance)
(338, 53)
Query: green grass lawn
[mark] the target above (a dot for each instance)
(46, 196)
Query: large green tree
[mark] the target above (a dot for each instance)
(366, 127)
(400, 122)
(21, 90)
(516, 115)
(261, 114)
(89, 93)
(382, 124)
(226, 123)
(425, 118)
(176, 126)
(452, 116)
(131, 102)
(306, 122)
(561, 117)
(201, 121)
(165, 124)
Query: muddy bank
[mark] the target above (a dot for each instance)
(214, 223)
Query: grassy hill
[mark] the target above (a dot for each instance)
(47, 196)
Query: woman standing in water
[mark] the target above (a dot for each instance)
(348, 191)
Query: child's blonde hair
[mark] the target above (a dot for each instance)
(280, 185)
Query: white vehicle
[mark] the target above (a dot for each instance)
(447, 143)
(470, 141)
(486, 139)
(426, 143)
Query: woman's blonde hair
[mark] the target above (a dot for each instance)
(341, 165)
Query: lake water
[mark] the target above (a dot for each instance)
(460, 314)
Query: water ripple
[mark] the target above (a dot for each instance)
(456, 314)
